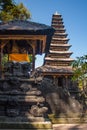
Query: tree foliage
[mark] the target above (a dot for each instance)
(11, 11)
(80, 72)
(5, 3)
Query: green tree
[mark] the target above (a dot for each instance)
(23, 13)
(5, 3)
(11, 11)
(80, 72)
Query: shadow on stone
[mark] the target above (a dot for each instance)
(60, 101)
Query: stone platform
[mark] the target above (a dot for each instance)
(70, 126)
(69, 120)
(26, 125)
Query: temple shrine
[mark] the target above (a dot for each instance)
(57, 62)
(20, 98)
(29, 94)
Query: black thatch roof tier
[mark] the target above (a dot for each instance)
(22, 27)
(25, 27)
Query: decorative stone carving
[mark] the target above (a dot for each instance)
(12, 112)
(5, 86)
(20, 95)
(38, 111)
(25, 87)
(17, 69)
(12, 108)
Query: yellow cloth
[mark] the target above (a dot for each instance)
(19, 57)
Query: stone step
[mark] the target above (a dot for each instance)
(30, 129)
(22, 98)
(25, 118)
(26, 125)
(69, 120)
(16, 92)
(75, 126)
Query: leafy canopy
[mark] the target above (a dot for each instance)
(80, 71)
(9, 10)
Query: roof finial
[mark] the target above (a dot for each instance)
(56, 13)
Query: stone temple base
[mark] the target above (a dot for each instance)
(22, 105)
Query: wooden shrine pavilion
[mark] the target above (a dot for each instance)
(18, 39)
(20, 97)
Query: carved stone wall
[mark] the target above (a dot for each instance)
(21, 98)
(60, 100)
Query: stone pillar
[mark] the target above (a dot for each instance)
(66, 81)
(33, 58)
(69, 82)
(55, 80)
(63, 82)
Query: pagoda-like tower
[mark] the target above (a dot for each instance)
(59, 54)
(57, 62)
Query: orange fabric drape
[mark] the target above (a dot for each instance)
(19, 57)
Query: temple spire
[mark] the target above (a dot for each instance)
(59, 54)
(57, 62)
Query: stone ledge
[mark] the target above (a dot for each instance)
(68, 120)
(21, 119)
(26, 125)
(75, 126)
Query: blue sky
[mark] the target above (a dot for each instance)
(74, 13)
